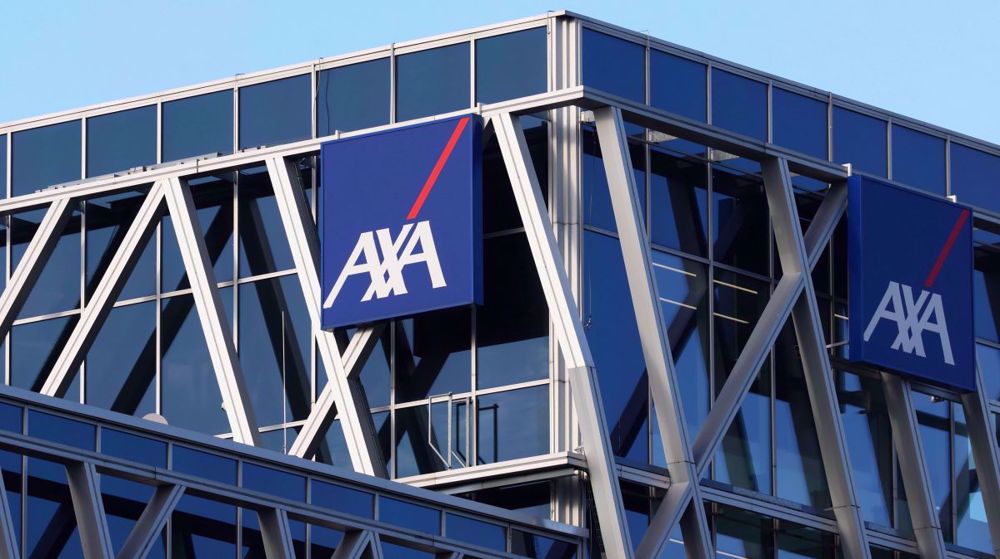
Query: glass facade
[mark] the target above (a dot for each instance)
(198, 125)
(120, 141)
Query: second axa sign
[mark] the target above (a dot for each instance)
(401, 227)
(910, 283)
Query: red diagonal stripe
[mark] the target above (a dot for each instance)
(433, 177)
(943, 255)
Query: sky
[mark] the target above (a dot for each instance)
(935, 61)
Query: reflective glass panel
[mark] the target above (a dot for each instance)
(678, 202)
(739, 104)
(918, 159)
(343, 499)
(988, 360)
(799, 122)
(11, 418)
(198, 125)
(203, 528)
(121, 363)
(34, 350)
(11, 465)
(511, 65)
(972, 529)
(133, 447)
(204, 464)
(677, 85)
(62, 430)
(422, 440)
(432, 81)
(742, 534)
(120, 141)
(597, 209)
(277, 112)
(513, 424)
(353, 97)
(933, 423)
(409, 515)
(45, 156)
(58, 286)
(213, 198)
(433, 354)
(986, 284)
(500, 211)
(799, 542)
(533, 545)
(124, 501)
(375, 375)
(975, 177)
(50, 523)
(263, 243)
(614, 65)
(741, 226)
(276, 482)
(3, 165)
(869, 442)
(859, 140)
(107, 222)
(474, 531)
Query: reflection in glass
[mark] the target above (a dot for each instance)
(799, 122)
(986, 284)
(432, 81)
(869, 443)
(276, 112)
(513, 424)
(933, 420)
(500, 211)
(433, 354)
(677, 85)
(972, 529)
(597, 209)
(198, 125)
(58, 286)
(973, 177)
(859, 140)
(34, 350)
(678, 202)
(739, 104)
(353, 97)
(918, 159)
(121, 363)
(124, 501)
(108, 221)
(45, 156)
(511, 65)
(50, 524)
(614, 65)
(213, 198)
(988, 360)
(203, 528)
(120, 141)
(741, 534)
(741, 227)
(263, 243)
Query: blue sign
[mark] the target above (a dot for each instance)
(401, 222)
(910, 285)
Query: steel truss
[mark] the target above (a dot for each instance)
(794, 298)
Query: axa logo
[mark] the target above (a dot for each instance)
(383, 257)
(912, 318)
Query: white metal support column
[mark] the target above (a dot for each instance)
(913, 467)
(101, 302)
(89, 508)
(342, 390)
(655, 345)
(9, 548)
(218, 336)
(276, 534)
(354, 545)
(815, 360)
(150, 525)
(982, 436)
(33, 261)
(565, 316)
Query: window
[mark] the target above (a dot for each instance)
(677, 85)
(45, 156)
(511, 65)
(741, 225)
(972, 529)
(49, 505)
(409, 515)
(203, 528)
(204, 464)
(275, 482)
(918, 159)
(432, 81)
(344, 499)
(34, 349)
(463, 528)
(597, 209)
(108, 220)
(198, 125)
(614, 65)
(433, 353)
(133, 447)
(975, 177)
(739, 104)
(678, 202)
(121, 363)
(868, 433)
(799, 122)
(859, 140)
(513, 424)
(62, 430)
(353, 97)
(263, 243)
(277, 112)
(120, 141)
(58, 286)
(985, 279)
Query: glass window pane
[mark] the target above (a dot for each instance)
(198, 125)
(343, 499)
(275, 482)
(500, 211)
(511, 65)
(463, 528)
(799, 542)
(869, 443)
(353, 97)
(533, 545)
(3, 165)
(50, 510)
(11, 418)
(859, 140)
(422, 435)
(614, 65)
(120, 141)
(678, 202)
(375, 375)
(975, 177)
(213, 198)
(108, 220)
(677, 85)
(988, 360)
(918, 159)
(597, 209)
(62, 430)
(741, 226)
(739, 104)
(45, 156)
(277, 112)
(986, 284)
(203, 528)
(433, 354)
(742, 534)
(513, 424)
(409, 515)
(264, 245)
(124, 501)
(935, 435)
(513, 326)
(432, 81)
(133, 447)
(121, 363)
(204, 464)
(58, 286)
(972, 530)
(799, 122)
(34, 350)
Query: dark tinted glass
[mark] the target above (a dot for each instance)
(108, 221)
(203, 528)
(860, 140)
(133, 447)
(353, 97)
(198, 125)
(124, 501)
(409, 515)
(121, 364)
(918, 160)
(799, 122)
(58, 286)
(614, 65)
(739, 104)
(275, 482)
(678, 202)
(513, 424)
(933, 420)
(343, 499)
(263, 244)
(985, 279)
(433, 354)
(3, 165)
(204, 464)
(422, 439)
(432, 81)
(511, 65)
(10, 417)
(868, 435)
(677, 85)
(741, 227)
(463, 528)
(597, 198)
(533, 545)
(975, 177)
(34, 348)
(45, 156)
(275, 112)
(49, 505)
(62, 430)
(120, 141)
(213, 198)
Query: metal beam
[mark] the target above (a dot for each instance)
(354, 544)
(90, 518)
(653, 338)
(982, 437)
(815, 360)
(218, 336)
(102, 301)
(565, 317)
(276, 534)
(150, 525)
(349, 397)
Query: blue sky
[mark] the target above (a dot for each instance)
(935, 61)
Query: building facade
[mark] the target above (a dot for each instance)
(659, 367)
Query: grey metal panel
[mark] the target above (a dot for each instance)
(983, 438)
(218, 336)
(89, 508)
(653, 338)
(351, 403)
(276, 534)
(568, 328)
(150, 525)
(815, 360)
